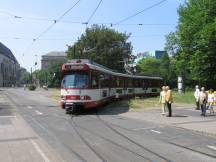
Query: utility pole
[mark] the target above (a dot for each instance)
(31, 75)
(35, 62)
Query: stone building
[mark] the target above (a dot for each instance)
(9, 67)
(52, 57)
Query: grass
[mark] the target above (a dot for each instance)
(55, 94)
(143, 103)
(153, 102)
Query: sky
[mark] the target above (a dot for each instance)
(18, 33)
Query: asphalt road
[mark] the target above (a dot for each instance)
(99, 136)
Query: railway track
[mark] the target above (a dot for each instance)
(74, 125)
(130, 140)
(112, 127)
(108, 124)
(30, 117)
(114, 143)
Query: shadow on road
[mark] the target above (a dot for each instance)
(113, 108)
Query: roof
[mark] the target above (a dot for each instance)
(56, 53)
(7, 52)
(95, 66)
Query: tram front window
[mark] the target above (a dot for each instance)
(75, 80)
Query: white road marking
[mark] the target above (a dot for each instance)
(38, 112)
(192, 110)
(137, 129)
(212, 147)
(155, 131)
(29, 107)
(45, 158)
(8, 116)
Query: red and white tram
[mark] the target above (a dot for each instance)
(86, 85)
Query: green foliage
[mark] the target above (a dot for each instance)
(102, 45)
(148, 66)
(195, 38)
(172, 44)
(50, 76)
(165, 67)
(54, 74)
(25, 77)
(31, 87)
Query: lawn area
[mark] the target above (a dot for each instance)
(142, 103)
(153, 102)
(55, 94)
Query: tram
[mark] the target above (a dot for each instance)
(87, 85)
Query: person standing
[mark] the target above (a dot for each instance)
(196, 96)
(162, 100)
(169, 100)
(203, 97)
(211, 101)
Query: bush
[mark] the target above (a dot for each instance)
(31, 87)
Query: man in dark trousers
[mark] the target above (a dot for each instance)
(169, 100)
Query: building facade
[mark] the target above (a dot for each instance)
(155, 54)
(52, 57)
(9, 67)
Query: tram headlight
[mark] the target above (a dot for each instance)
(82, 97)
(86, 97)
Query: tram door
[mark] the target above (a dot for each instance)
(104, 85)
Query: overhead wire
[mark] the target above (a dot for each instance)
(50, 27)
(84, 23)
(93, 13)
(139, 12)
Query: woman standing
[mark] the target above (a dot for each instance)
(162, 100)
(211, 101)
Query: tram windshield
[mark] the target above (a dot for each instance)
(75, 80)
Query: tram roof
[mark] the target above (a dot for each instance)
(98, 67)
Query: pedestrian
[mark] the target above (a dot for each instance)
(24, 86)
(162, 99)
(196, 96)
(211, 101)
(214, 97)
(203, 97)
(169, 100)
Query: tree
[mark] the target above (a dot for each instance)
(102, 45)
(195, 39)
(148, 66)
(25, 77)
(51, 76)
(172, 44)
(41, 76)
(164, 68)
(54, 74)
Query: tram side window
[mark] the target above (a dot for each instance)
(146, 83)
(113, 81)
(104, 80)
(119, 82)
(155, 83)
(94, 82)
(138, 83)
(129, 82)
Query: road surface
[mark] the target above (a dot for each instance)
(104, 136)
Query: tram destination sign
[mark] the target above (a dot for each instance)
(74, 67)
